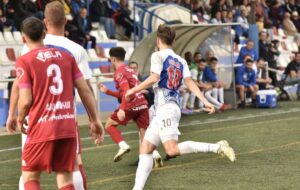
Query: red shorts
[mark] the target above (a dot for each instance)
(139, 114)
(56, 155)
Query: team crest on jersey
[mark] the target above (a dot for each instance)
(20, 73)
(119, 76)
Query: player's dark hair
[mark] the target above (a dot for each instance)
(117, 52)
(33, 28)
(213, 59)
(166, 34)
(55, 14)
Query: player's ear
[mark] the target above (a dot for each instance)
(24, 39)
(44, 34)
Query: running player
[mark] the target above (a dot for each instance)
(47, 77)
(167, 72)
(55, 23)
(136, 109)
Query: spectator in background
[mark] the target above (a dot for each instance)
(243, 28)
(76, 5)
(101, 11)
(288, 26)
(290, 6)
(260, 23)
(209, 54)
(261, 78)
(247, 50)
(291, 74)
(6, 16)
(216, 18)
(229, 17)
(276, 11)
(123, 18)
(196, 58)
(188, 57)
(135, 66)
(216, 94)
(84, 25)
(246, 82)
(296, 21)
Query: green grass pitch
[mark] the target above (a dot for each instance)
(266, 141)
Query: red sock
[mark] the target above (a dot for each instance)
(81, 169)
(68, 187)
(32, 185)
(114, 133)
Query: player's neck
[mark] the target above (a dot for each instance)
(119, 64)
(163, 47)
(56, 31)
(35, 45)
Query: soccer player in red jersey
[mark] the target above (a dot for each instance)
(47, 77)
(136, 109)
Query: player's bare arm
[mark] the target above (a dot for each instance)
(152, 79)
(11, 122)
(96, 127)
(105, 90)
(194, 89)
(24, 104)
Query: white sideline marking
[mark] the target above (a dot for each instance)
(192, 123)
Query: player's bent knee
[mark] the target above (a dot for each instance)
(172, 151)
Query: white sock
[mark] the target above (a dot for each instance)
(77, 180)
(185, 100)
(212, 100)
(215, 93)
(192, 100)
(221, 95)
(181, 102)
(123, 144)
(143, 171)
(188, 147)
(156, 154)
(21, 184)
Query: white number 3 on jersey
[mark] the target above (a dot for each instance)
(58, 88)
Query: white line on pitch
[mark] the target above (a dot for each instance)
(192, 123)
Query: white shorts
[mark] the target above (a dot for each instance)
(164, 124)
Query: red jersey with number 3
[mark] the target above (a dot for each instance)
(125, 74)
(50, 74)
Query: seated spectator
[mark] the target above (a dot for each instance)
(296, 20)
(243, 28)
(288, 26)
(229, 17)
(260, 23)
(6, 16)
(216, 18)
(291, 74)
(72, 33)
(84, 25)
(101, 11)
(246, 82)
(261, 78)
(247, 50)
(290, 6)
(188, 58)
(216, 94)
(209, 54)
(196, 58)
(76, 5)
(122, 18)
